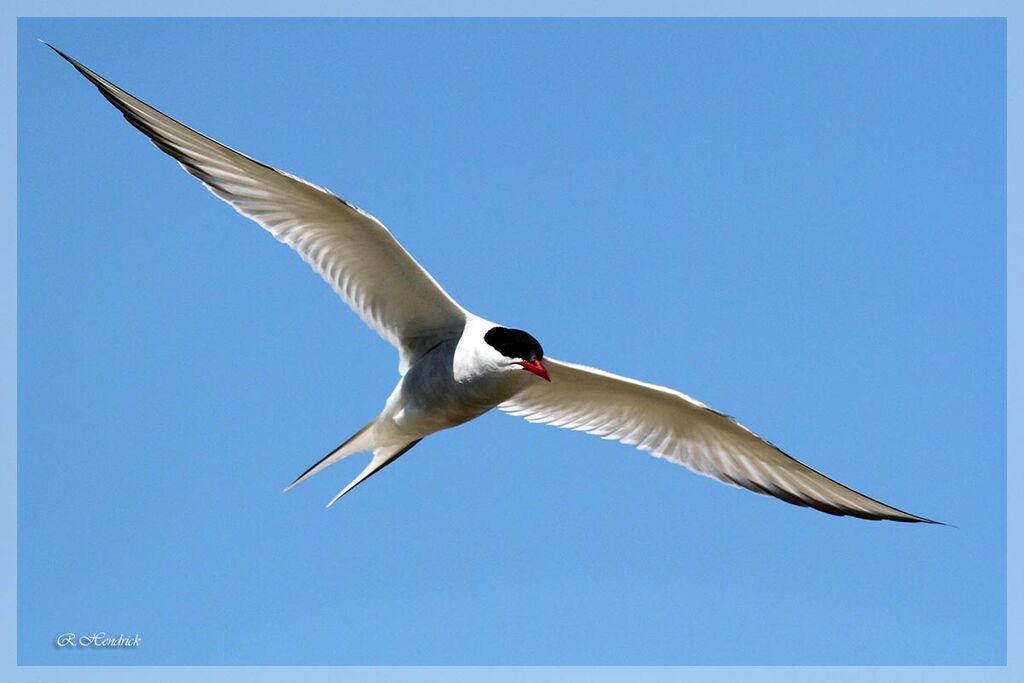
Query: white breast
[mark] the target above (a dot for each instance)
(438, 392)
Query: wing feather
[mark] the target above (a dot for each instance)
(348, 247)
(671, 425)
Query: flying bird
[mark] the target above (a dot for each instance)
(454, 365)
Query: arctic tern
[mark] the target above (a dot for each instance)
(455, 365)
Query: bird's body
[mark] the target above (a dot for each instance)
(455, 366)
(455, 382)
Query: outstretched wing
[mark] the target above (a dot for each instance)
(348, 247)
(671, 425)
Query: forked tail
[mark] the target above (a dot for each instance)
(382, 457)
(360, 441)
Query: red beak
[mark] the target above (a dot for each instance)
(536, 367)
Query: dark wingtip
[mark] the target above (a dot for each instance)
(55, 49)
(69, 59)
(914, 519)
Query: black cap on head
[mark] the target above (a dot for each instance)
(514, 343)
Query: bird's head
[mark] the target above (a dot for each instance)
(518, 349)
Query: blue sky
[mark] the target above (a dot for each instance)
(801, 223)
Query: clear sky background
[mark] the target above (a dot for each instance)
(800, 223)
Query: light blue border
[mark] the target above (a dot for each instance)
(197, 8)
